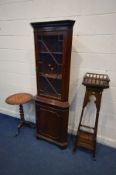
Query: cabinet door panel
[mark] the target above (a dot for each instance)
(49, 123)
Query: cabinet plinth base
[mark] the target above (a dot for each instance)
(62, 145)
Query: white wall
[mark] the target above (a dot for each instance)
(93, 50)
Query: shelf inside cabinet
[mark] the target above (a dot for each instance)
(52, 76)
(53, 52)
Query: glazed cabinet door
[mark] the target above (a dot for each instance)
(50, 49)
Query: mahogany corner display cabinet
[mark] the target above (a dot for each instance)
(53, 43)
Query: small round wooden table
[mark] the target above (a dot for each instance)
(20, 99)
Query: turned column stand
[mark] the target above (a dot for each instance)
(86, 135)
(20, 99)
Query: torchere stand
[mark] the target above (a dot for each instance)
(86, 134)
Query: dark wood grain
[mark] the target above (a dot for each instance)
(52, 111)
(95, 83)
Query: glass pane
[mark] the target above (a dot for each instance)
(52, 43)
(50, 87)
(50, 65)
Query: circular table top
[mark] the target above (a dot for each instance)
(19, 98)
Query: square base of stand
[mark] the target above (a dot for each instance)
(85, 140)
